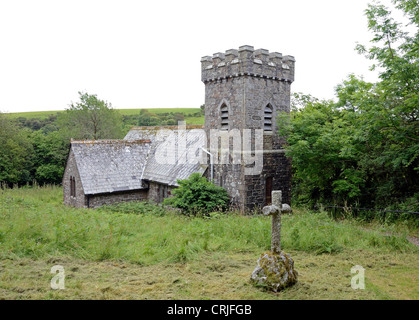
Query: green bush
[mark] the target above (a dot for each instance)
(197, 196)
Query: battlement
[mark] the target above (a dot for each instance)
(247, 62)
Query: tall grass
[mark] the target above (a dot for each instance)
(34, 223)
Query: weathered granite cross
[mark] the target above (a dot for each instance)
(275, 211)
(275, 269)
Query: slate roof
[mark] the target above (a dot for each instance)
(110, 165)
(150, 132)
(146, 153)
(174, 154)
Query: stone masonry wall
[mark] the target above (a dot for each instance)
(71, 171)
(157, 192)
(246, 81)
(98, 200)
(277, 167)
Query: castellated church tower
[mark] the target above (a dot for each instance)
(245, 89)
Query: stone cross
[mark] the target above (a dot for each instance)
(275, 210)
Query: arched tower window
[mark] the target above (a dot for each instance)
(267, 118)
(224, 117)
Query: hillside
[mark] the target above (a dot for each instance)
(188, 113)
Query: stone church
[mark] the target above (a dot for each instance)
(245, 89)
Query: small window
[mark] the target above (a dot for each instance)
(72, 187)
(224, 117)
(267, 119)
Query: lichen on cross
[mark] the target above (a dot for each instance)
(275, 269)
(275, 210)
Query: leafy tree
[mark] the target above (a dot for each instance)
(49, 156)
(392, 109)
(91, 118)
(15, 152)
(321, 143)
(364, 148)
(178, 117)
(197, 195)
(46, 125)
(147, 118)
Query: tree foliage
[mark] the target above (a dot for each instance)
(37, 149)
(364, 148)
(197, 195)
(49, 156)
(15, 152)
(91, 118)
(147, 118)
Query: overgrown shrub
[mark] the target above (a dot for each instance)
(197, 196)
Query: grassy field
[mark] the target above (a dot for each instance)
(126, 112)
(140, 251)
(190, 120)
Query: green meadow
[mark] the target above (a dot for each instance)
(142, 251)
(124, 112)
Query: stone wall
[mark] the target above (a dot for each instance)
(246, 81)
(247, 61)
(71, 171)
(277, 167)
(93, 201)
(157, 192)
(97, 200)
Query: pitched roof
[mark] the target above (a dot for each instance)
(150, 132)
(174, 154)
(110, 165)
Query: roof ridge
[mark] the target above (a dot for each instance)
(189, 126)
(110, 141)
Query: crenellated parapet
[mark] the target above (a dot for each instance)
(247, 62)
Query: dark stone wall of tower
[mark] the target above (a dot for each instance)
(246, 81)
(259, 93)
(276, 166)
(229, 92)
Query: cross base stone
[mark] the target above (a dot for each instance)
(274, 271)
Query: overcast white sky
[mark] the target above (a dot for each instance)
(146, 54)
